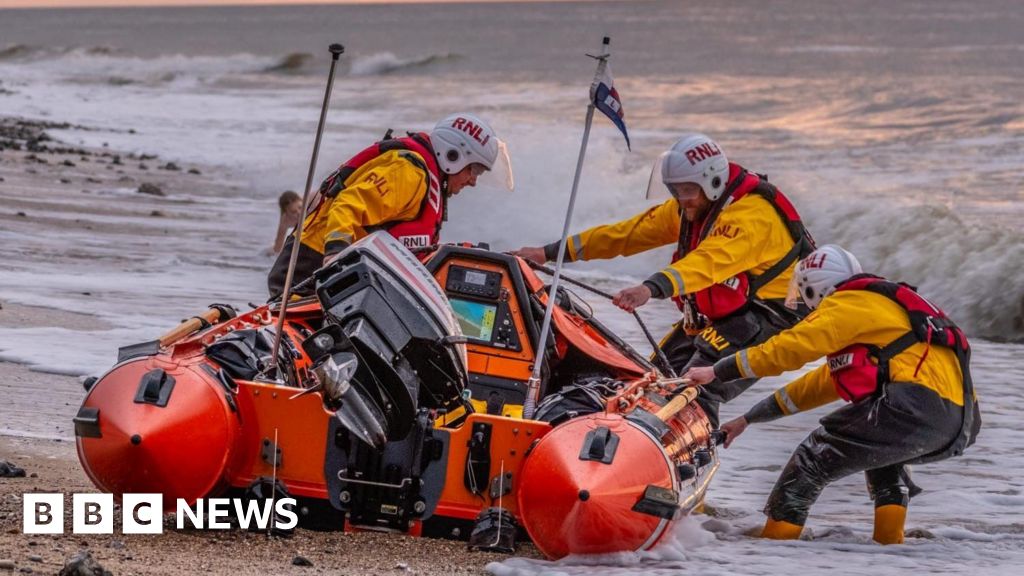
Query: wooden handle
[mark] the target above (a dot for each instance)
(211, 316)
(676, 404)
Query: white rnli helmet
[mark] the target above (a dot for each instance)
(698, 159)
(821, 271)
(463, 139)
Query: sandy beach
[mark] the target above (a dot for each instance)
(36, 432)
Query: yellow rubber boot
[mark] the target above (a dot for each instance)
(781, 530)
(889, 520)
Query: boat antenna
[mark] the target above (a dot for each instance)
(336, 51)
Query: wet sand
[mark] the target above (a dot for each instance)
(36, 432)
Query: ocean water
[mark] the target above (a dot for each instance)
(897, 128)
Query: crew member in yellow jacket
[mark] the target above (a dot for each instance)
(401, 185)
(899, 361)
(737, 240)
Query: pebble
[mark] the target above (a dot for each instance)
(9, 470)
(35, 558)
(83, 564)
(7, 564)
(151, 189)
(301, 561)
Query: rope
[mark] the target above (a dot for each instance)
(662, 359)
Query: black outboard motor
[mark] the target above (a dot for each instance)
(390, 343)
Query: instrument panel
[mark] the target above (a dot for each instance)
(481, 305)
(489, 296)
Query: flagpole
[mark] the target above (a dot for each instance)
(533, 384)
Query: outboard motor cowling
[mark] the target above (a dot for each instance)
(382, 306)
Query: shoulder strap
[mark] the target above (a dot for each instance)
(803, 244)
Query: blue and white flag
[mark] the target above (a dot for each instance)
(606, 99)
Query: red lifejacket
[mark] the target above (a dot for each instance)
(733, 295)
(422, 231)
(860, 370)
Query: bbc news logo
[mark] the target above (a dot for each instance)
(143, 514)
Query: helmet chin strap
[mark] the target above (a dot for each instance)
(444, 189)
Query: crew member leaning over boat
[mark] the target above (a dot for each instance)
(737, 241)
(901, 363)
(401, 185)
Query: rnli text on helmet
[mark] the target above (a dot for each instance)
(702, 152)
(814, 261)
(471, 128)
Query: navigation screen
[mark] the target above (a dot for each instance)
(478, 278)
(475, 319)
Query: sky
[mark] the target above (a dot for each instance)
(107, 3)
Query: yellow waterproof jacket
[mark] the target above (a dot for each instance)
(388, 188)
(844, 318)
(748, 236)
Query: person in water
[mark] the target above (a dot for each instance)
(290, 205)
(901, 364)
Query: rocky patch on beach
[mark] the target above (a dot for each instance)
(32, 136)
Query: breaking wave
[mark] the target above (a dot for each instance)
(973, 271)
(388, 63)
(291, 63)
(16, 51)
(25, 52)
(108, 66)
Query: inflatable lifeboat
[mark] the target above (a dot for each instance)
(395, 403)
